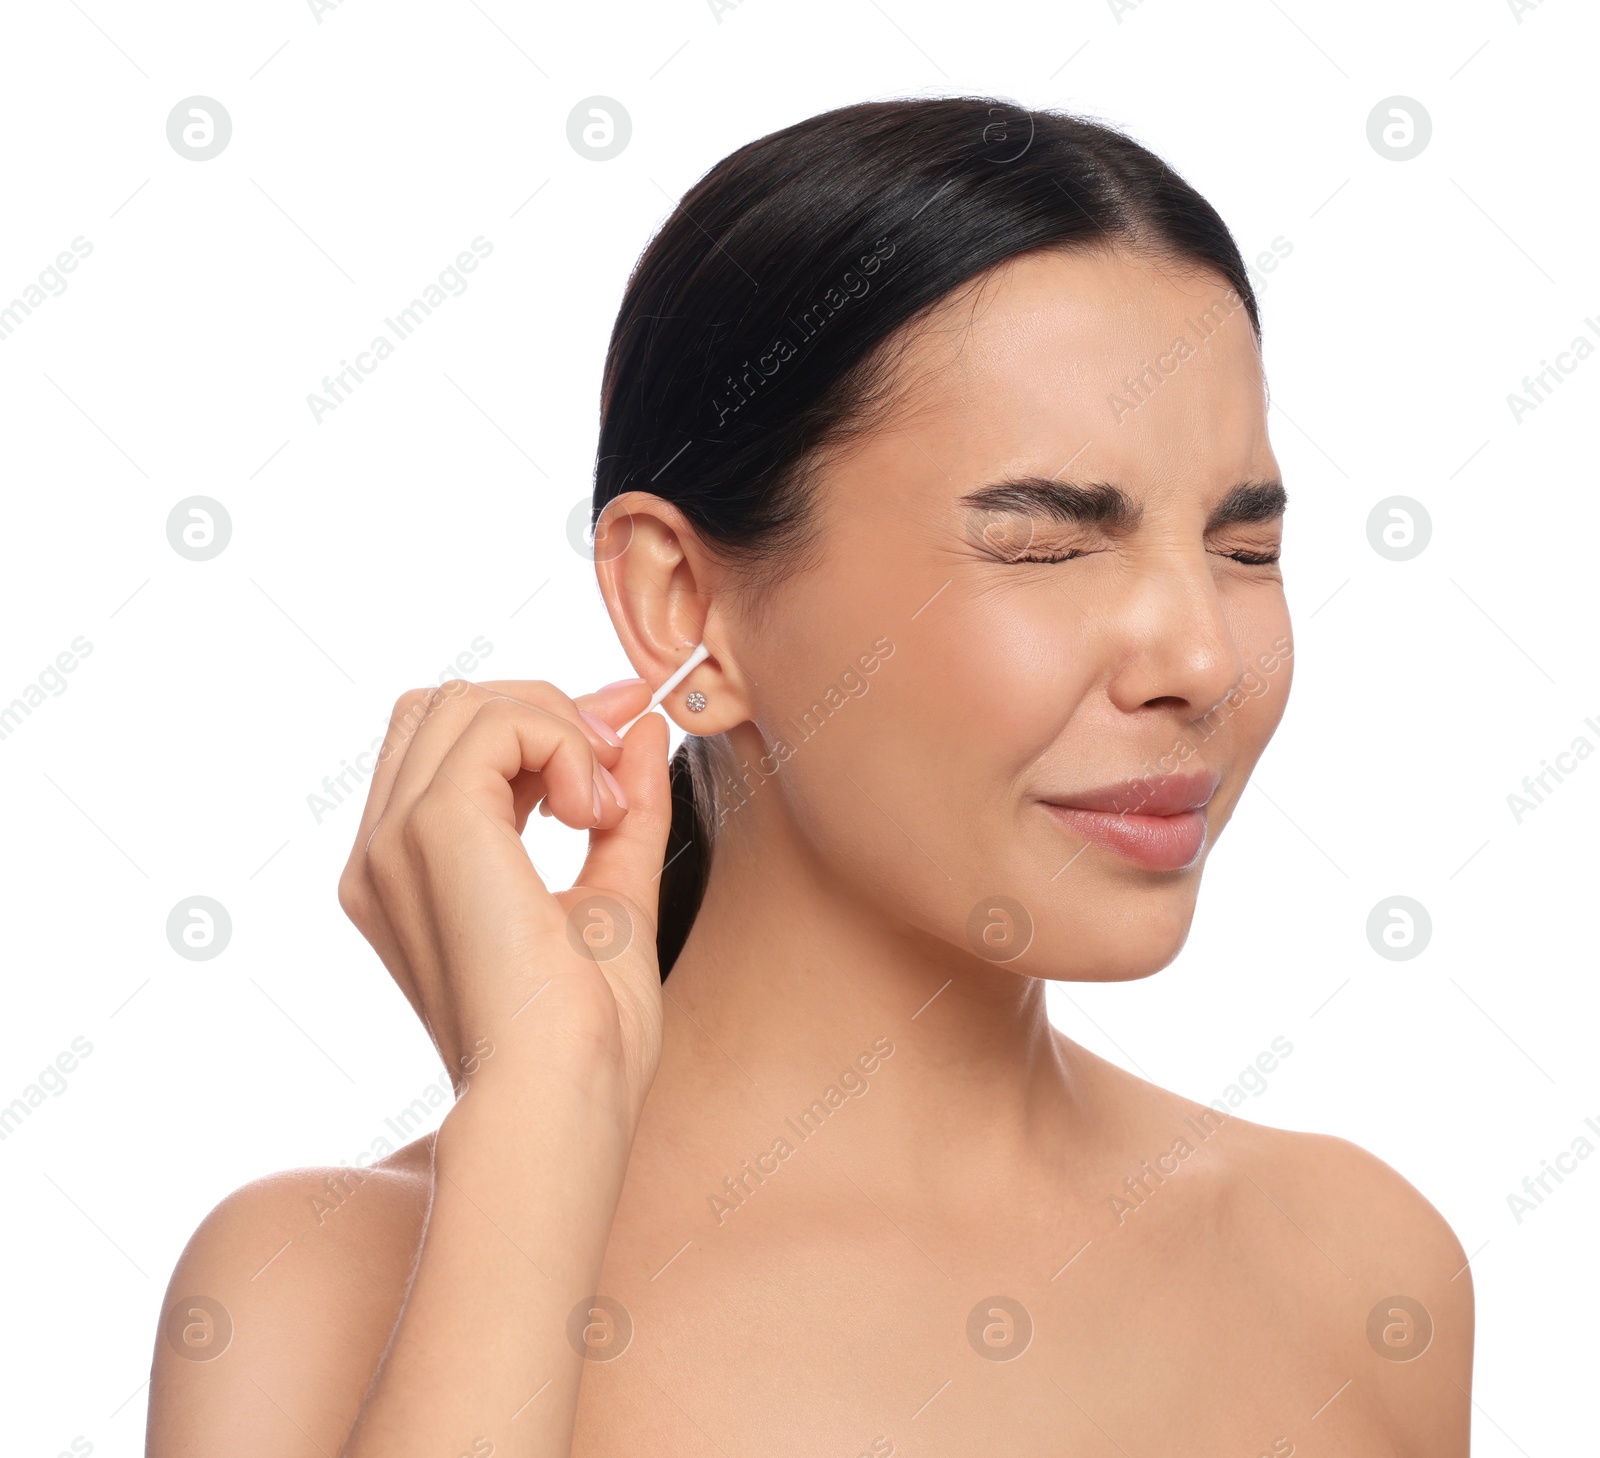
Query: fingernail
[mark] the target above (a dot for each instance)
(620, 683)
(544, 806)
(597, 799)
(600, 727)
(613, 786)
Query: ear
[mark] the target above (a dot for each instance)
(665, 593)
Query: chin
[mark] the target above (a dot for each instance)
(1118, 934)
(1126, 968)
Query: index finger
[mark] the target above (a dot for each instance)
(613, 704)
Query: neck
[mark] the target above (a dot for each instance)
(789, 978)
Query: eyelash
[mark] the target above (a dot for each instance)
(1248, 559)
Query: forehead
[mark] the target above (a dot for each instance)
(1133, 369)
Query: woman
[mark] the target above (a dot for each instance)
(943, 427)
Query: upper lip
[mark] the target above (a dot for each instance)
(1156, 795)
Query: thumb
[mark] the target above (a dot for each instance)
(627, 860)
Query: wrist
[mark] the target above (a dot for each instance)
(563, 1050)
(542, 1100)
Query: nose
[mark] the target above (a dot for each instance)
(1179, 650)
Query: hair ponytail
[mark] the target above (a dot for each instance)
(758, 326)
(687, 864)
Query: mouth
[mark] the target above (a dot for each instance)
(1156, 823)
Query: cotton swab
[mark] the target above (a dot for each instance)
(692, 662)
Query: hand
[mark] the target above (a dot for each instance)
(506, 975)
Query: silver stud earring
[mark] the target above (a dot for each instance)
(696, 702)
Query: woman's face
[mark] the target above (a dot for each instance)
(970, 659)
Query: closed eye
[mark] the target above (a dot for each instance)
(1249, 559)
(1066, 556)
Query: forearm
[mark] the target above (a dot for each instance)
(525, 1186)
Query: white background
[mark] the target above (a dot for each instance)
(369, 148)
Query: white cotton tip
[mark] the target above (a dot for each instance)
(689, 664)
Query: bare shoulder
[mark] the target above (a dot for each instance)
(1379, 1266)
(280, 1308)
(1382, 1223)
(1350, 1264)
(1383, 1226)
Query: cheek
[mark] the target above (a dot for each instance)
(1244, 722)
(897, 782)
(1281, 680)
(1007, 667)
(1267, 646)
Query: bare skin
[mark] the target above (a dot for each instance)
(1173, 1280)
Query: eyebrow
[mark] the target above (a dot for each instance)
(1098, 503)
(1250, 501)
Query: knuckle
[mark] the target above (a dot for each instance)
(409, 711)
(504, 715)
(410, 705)
(538, 694)
(428, 824)
(503, 709)
(355, 894)
(385, 851)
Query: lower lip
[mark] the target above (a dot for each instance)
(1156, 842)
